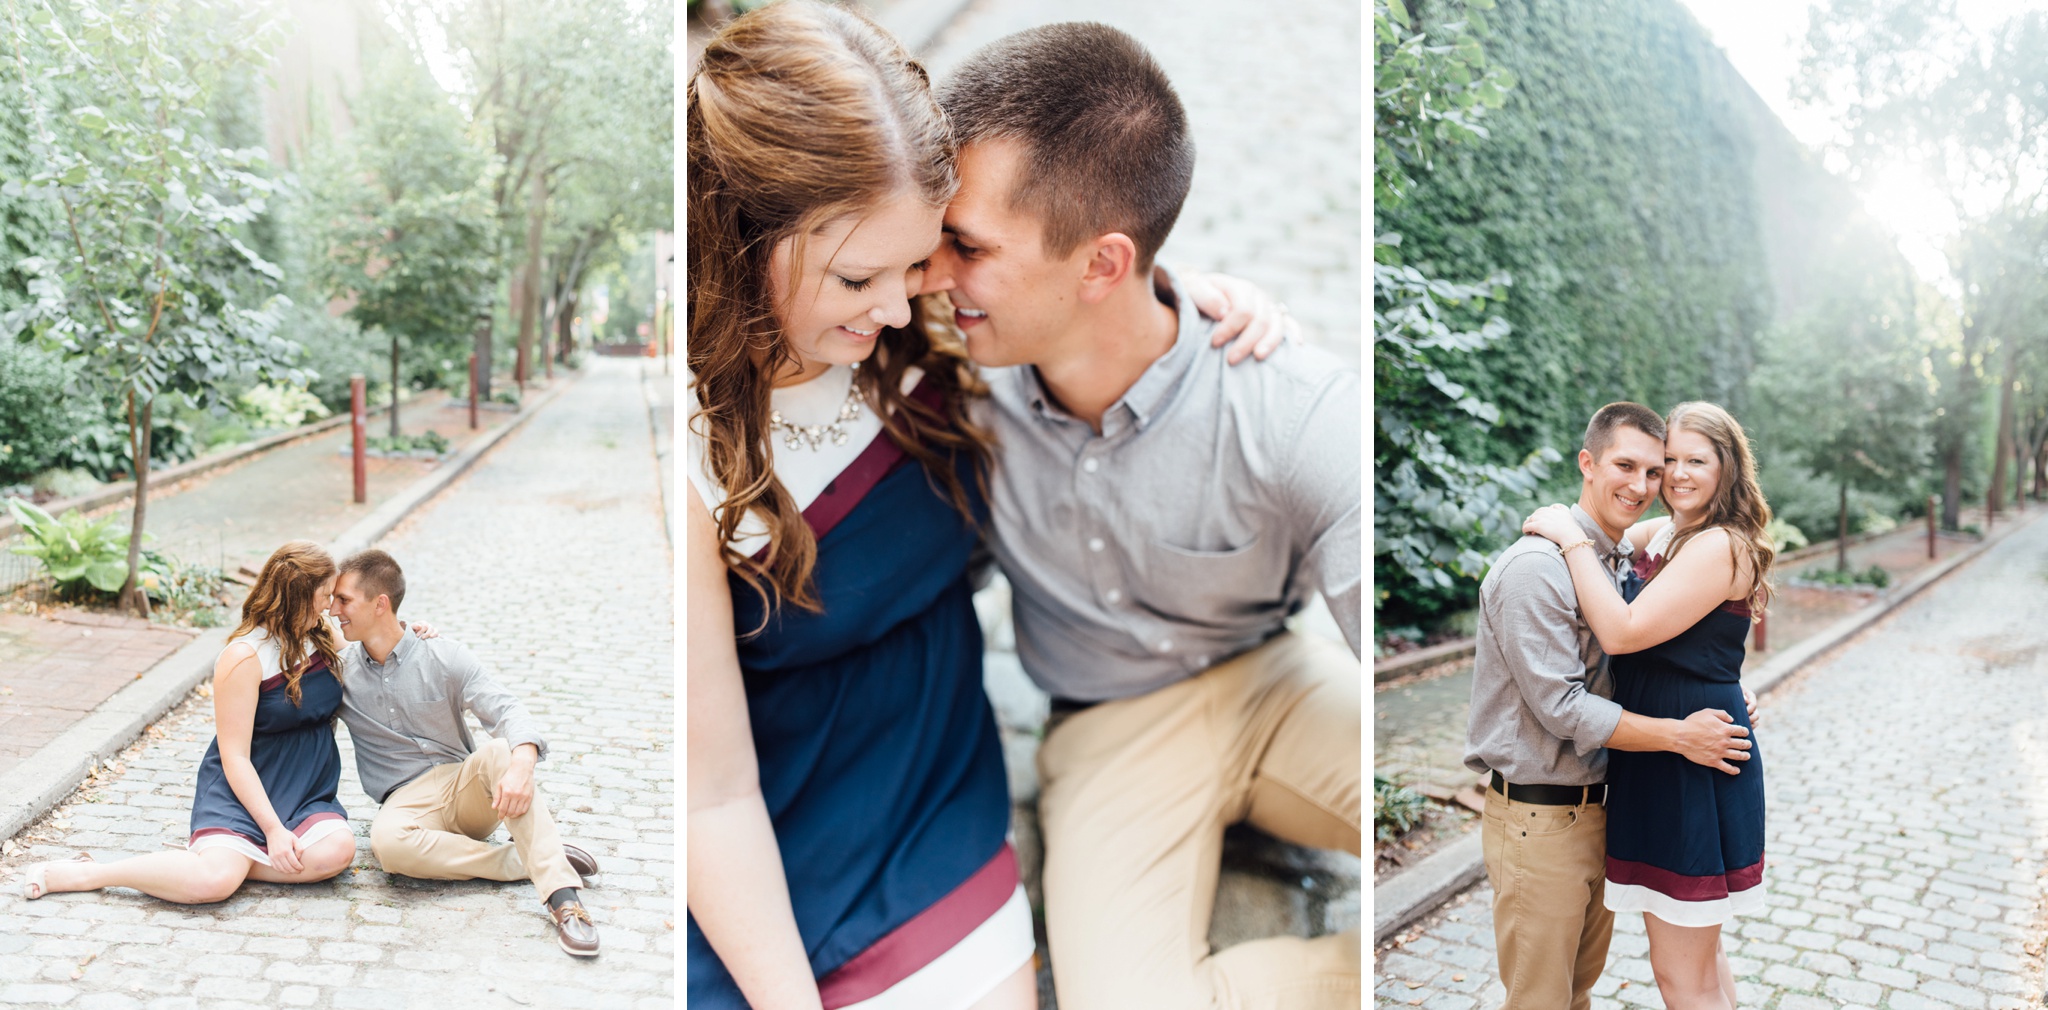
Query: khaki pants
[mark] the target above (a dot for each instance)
(433, 828)
(1134, 797)
(1548, 866)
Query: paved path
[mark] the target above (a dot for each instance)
(56, 667)
(1908, 819)
(550, 561)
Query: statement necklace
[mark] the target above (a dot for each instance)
(814, 436)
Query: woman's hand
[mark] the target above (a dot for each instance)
(1243, 311)
(1555, 524)
(284, 849)
(422, 629)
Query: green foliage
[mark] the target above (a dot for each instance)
(77, 552)
(1875, 576)
(1396, 809)
(1438, 511)
(1784, 536)
(428, 441)
(35, 421)
(276, 408)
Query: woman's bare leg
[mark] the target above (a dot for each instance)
(1689, 965)
(1018, 992)
(1727, 975)
(326, 858)
(189, 878)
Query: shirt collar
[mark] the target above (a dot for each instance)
(1608, 548)
(400, 652)
(1155, 386)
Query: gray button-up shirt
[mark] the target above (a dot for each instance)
(404, 715)
(1542, 708)
(1214, 502)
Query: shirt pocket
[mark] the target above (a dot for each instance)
(1192, 585)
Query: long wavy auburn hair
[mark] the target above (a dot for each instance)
(1738, 505)
(285, 604)
(801, 114)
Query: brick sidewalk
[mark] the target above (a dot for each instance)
(55, 668)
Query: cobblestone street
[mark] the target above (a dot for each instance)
(549, 559)
(1908, 824)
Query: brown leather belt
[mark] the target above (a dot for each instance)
(1550, 796)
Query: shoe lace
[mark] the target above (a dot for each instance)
(573, 912)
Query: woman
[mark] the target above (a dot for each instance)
(265, 807)
(1684, 841)
(848, 800)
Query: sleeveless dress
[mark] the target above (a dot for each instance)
(877, 747)
(292, 747)
(1685, 842)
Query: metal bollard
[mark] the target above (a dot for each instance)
(1763, 630)
(357, 416)
(1933, 503)
(473, 384)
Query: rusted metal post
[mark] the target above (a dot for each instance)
(357, 421)
(1932, 504)
(1763, 631)
(473, 384)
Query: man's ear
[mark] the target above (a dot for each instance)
(1110, 259)
(1585, 463)
(384, 602)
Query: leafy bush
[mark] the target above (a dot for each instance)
(190, 592)
(64, 483)
(1784, 536)
(99, 443)
(34, 418)
(429, 441)
(1395, 809)
(279, 407)
(1874, 576)
(81, 554)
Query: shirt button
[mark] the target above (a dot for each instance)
(1095, 544)
(1113, 595)
(1091, 464)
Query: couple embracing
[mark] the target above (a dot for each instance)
(319, 642)
(927, 320)
(1609, 714)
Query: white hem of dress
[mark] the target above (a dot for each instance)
(243, 846)
(1713, 912)
(971, 969)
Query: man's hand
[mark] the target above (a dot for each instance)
(1243, 311)
(1749, 703)
(1710, 737)
(514, 794)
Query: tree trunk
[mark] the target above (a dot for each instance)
(2004, 439)
(482, 345)
(139, 432)
(565, 328)
(394, 385)
(1842, 528)
(529, 300)
(1952, 487)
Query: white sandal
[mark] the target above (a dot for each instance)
(36, 886)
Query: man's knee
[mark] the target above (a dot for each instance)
(395, 843)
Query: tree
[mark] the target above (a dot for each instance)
(156, 293)
(1432, 509)
(407, 226)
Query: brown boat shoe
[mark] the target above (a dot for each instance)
(573, 929)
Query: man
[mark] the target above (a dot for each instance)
(441, 794)
(1542, 719)
(1159, 514)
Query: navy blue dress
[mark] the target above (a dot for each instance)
(878, 752)
(1684, 841)
(296, 759)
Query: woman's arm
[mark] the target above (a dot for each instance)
(1689, 588)
(237, 680)
(738, 893)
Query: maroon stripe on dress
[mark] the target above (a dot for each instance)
(324, 815)
(1681, 887)
(875, 462)
(920, 941)
(311, 664)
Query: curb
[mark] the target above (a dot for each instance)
(1457, 866)
(49, 775)
(1394, 666)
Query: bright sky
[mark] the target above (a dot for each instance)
(1763, 38)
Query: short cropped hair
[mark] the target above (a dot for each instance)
(1106, 145)
(377, 575)
(1600, 430)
